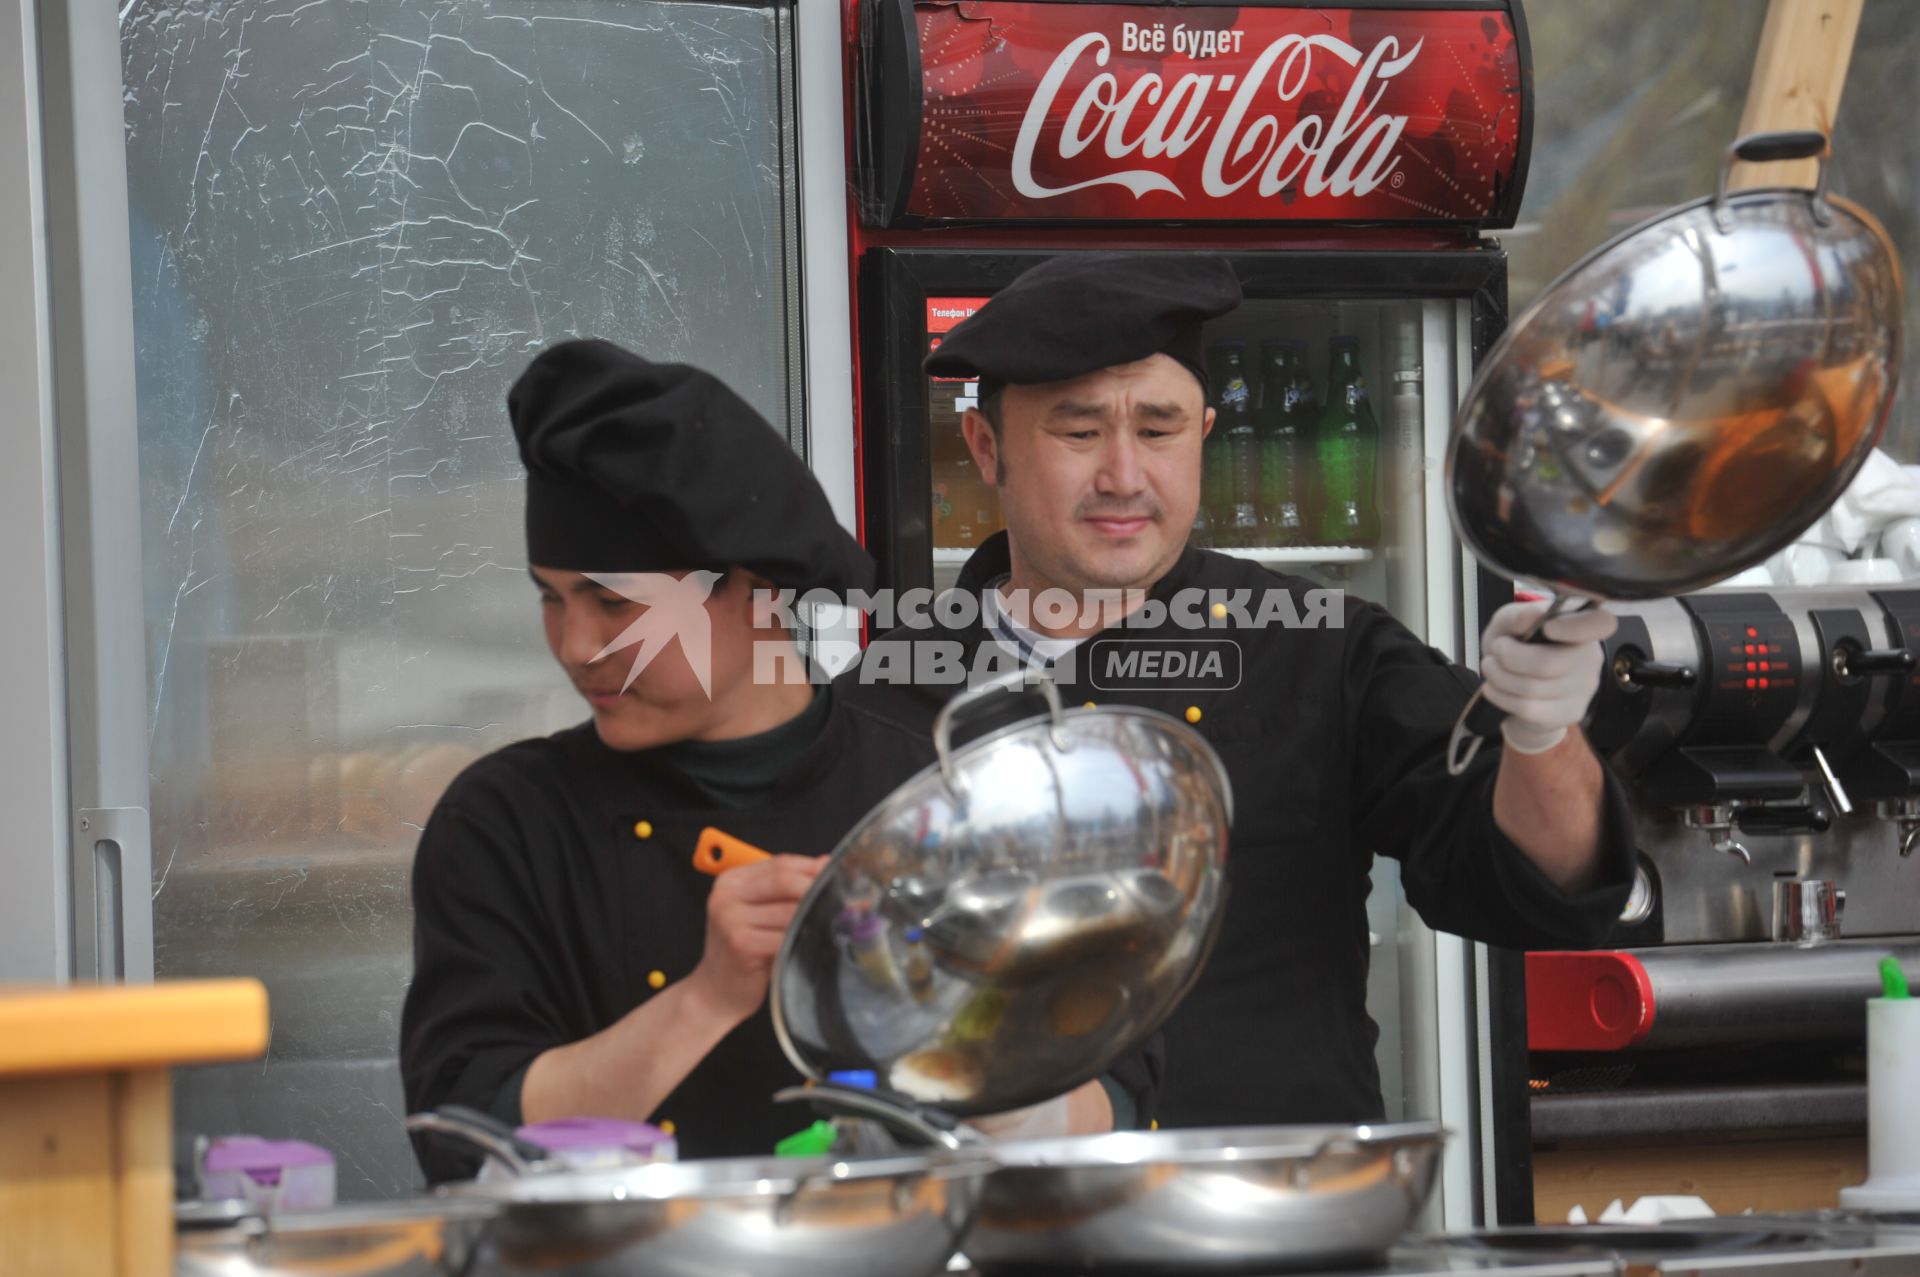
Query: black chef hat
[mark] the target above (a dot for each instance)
(634, 466)
(1080, 312)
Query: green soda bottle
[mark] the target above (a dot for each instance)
(1231, 481)
(1348, 444)
(1284, 420)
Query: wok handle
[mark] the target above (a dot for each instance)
(1789, 144)
(925, 1128)
(1481, 718)
(717, 851)
(1766, 148)
(482, 1131)
(1016, 681)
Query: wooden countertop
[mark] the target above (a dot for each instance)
(93, 1028)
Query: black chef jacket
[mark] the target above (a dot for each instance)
(1334, 741)
(554, 887)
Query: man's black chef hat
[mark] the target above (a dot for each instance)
(1080, 312)
(634, 466)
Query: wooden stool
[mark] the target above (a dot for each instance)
(86, 1118)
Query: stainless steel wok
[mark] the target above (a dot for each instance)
(1017, 916)
(769, 1217)
(1204, 1200)
(1687, 399)
(725, 1217)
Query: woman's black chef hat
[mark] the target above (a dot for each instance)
(634, 466)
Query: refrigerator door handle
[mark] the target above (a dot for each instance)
(119, 842)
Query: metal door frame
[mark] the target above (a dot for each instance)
(36, 942)
(75, 744)
(826, 299)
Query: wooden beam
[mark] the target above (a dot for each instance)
(102, 1028)
(86, 1117)
(1797, 77)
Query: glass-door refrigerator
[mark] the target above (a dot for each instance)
(1349, 161)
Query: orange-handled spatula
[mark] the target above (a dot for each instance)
(717, 851)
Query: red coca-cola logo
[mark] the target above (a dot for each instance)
(1351, 154)
(1122, 112)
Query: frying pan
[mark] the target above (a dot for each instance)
(1237, 1199)
(1683, 402)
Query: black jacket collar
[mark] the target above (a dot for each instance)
(994, 559)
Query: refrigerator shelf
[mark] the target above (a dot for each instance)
(950, 556)
(1301, 553)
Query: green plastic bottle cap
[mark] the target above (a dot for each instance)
(816, 1141)
(1893, 985)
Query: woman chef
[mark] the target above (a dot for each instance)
(568, 958)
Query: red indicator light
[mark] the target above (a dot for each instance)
(1763, 682)
(1752, 633)
(1749, 649)
(1750, 683)
(1764, 649)
(1752, 666)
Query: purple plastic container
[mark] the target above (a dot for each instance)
(598, 1140)
(268, 1175)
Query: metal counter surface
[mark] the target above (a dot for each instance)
(1826, 1244)
(1417, 1258)
(1816, 1244)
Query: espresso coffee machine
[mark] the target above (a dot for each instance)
(1767, 736)
(1770, 739)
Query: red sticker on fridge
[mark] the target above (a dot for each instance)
(1036, 111)
(944, 314)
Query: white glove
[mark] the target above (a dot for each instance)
(1043, 1121)
(1545, 687)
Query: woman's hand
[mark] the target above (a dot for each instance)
(747, 917)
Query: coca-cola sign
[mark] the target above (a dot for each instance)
(1030, 110)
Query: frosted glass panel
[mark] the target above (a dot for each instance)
(352, 221)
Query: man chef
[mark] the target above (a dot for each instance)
(1333, 727)
(569, 960)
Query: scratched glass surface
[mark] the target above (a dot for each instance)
(352, 222)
